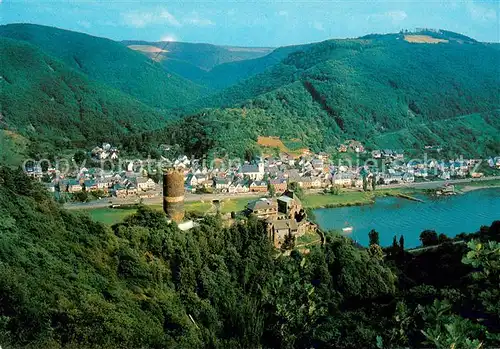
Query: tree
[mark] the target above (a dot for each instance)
(402, 243)
(296, 188)
(335, 189)
(485, 258)
(80, 157)
(429, 238)
(444, 330)
(395, 246)
(376, 252)
(365, 183)
(374, 183)
(374, 237)
(442, 238)
(271, 190)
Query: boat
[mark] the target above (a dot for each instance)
(347, 230)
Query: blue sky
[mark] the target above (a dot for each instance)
(256, 23)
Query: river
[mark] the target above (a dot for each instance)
(391, 216)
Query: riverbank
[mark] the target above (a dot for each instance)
(312, 201)
(202, 204)
(487, 184)
(390, 216)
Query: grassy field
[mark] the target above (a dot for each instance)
(346, 198)
(108, 216)
(235, 204)
(307, 238)
(343, 199)
(112, 216)
(396, 191)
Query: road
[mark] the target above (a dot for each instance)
(189, 197)
(156, 200)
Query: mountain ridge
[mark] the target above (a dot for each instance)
(111, 63)
(53, 104)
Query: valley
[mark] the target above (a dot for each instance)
(378, 89)
(296, 182)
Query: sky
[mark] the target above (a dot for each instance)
(255, 23)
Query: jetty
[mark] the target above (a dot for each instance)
(408, 197)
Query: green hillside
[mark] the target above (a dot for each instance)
(49, 102)
(111, 63)
(69, 282)
(213, 66)
(362, 89)
(203, 56)
(227, 74)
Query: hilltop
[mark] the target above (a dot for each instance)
(215, 67)
(44, 99)
(366, 89)
(111, 63)
(402, 90)
(203, 56)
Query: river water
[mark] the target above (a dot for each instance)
(391, 216)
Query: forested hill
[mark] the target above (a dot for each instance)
(365, 89)
(68, 282)
(215, 67)
(44, 99)
(111, 63)
(203, 56)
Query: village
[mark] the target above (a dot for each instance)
(265, 175)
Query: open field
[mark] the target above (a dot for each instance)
(108, 216)
(112, 216)
(423, 39)
(146, 48)
(308, 239)
(276, 142)
(234, 205)
(312, 200)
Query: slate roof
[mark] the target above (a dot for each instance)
(261, 204)
(250, 169)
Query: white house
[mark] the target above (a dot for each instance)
(222, 184)
(342, 179)
(254, 172)
(145, 184)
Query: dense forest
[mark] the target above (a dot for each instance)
(382, 90)
(110, 63)
(52, 104)
(68, 282)
(203, 56)
(378, 89)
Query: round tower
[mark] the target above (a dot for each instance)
(173, 194)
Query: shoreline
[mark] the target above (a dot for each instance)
(339, 205)
(469, 188)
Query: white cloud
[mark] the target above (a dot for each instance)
(481, 13)
(169, 38)
(195, 19)
(142, 19)
(139, 19)
(283, 13)
(393, 16)
(318, 26)
(81, 23)
(396, 16)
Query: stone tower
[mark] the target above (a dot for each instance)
(173, 194)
